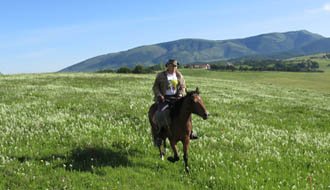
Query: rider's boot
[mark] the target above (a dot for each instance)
(193, 136)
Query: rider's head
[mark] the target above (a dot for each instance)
(172, 65)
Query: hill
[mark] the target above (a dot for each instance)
(194, 50)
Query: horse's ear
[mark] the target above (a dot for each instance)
(197, 90)
(187, 92)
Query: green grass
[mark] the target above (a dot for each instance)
(90, 131)
(303, 80)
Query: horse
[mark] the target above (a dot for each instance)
(180, 127)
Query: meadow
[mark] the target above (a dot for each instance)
(90, 131)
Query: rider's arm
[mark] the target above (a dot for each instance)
(182, 87)
(156, 86)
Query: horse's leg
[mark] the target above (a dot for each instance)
(175, 151)
(164, 146)
(185, 152)
(161, 152)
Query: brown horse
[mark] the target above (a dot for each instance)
(180, 127)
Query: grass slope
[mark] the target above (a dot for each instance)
(90, 131)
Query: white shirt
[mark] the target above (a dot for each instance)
(172, 84)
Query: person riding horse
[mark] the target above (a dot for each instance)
(169, 86)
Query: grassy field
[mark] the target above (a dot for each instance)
(304, 80)
(90, 131)
(311, 81)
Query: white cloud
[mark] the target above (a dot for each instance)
(326, 7)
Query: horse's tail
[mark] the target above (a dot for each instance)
(151, 113)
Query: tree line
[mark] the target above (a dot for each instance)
(242, 64)
(138, 69)
(307, 65)
(327, 56)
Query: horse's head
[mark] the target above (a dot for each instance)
(196, 104)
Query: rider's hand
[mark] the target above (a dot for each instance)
(161, 98)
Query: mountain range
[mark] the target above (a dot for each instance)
(270, 46)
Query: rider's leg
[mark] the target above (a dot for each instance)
(192, 135)
(162, 121)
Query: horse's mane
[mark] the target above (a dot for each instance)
(176, 107)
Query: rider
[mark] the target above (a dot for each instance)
(169, 86)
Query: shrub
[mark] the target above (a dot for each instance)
(106, 71)
(158, 67)
(124, 69)
(138, 69)
(327, 56)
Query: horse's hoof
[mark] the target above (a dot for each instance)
(171, 159)
(187, 170)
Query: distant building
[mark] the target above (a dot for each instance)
(206, 66)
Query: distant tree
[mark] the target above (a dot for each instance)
(231, 68)
(180, 66)
(280, 66)
(138, 69)
(315, 65)
(161, 66)
(241, 68)
(327, 55)
(292, 67)
(148, 70)
(124, 69)
(186, 66)
(301, 65)
(158, 67)
(252, 64)
(270, 67)
(106, 71)
(308, 63)
(219, 66)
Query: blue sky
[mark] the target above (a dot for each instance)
(46, 36)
